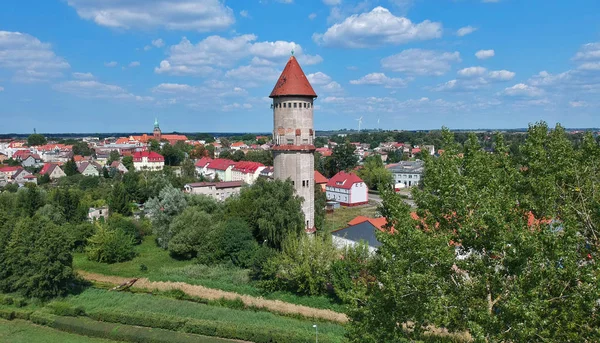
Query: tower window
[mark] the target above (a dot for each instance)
(284, 105)
(295, 105)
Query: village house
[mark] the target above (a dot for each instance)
(89, 169)
(98, 213)
(320, 181)
(3, 157)
(9, 171)
(239, 146)
(216, 190)
(53, 171)
(201, 165)
(32, 160)
(3, 180)
(348, 189)
(267, 173)
(148, 160)
(408, 173)
(221, 168)
(246, 171)
(119, 167)
(359, 229)
(22, 177)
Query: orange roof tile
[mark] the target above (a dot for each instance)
(293, 82)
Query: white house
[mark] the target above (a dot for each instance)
(216, 190)
(148, 160)
(9, 171)
(22, 177)
(89, 169)
(97, 213)
(246, 171)
(220, 167)
(408, 173)
(348, 189)
(53, 171)
(119, 166)
(32, 161)
(201, 165)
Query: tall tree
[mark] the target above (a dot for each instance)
(320, 203)
(82, 148)
(70, 167)
(169, 203)
(36, 139)
(238, 155)
(128, 163)
(374, 173)
(119, 201)
(343, 157)
(113, 156)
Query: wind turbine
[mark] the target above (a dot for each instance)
(359, 123)
(378, 127)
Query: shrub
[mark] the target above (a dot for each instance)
(64, 309)
(232, 242)
(7, 314)
(190, 233)
(119, 222)
(43, 318)
(110, 246)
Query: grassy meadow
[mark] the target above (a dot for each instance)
(20, 331)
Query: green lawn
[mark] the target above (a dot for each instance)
(161, 267)
(339, 218)
(101, 300)
(19, 331)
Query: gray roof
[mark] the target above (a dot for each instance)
(364, 231)
(412, 167)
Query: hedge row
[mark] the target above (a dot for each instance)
(60, 308)
(204, 327)
(9, 300)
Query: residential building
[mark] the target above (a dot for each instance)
(246, 171)
(201, 165)
(320, 180)
(348, 189)
(148, 160)
(9, 171)
(22, 177)
(89, 169)
(267, 173)
(53, 171)
(354, 234)
(408, 173)
(3, 180)
(3, 157)
(221, 168)
(98, 213)
(216, 190)
(119, 166)
(294, 135)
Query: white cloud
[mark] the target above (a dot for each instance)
(310, 59)
(83, 76)
(484, 54)
(376, 28)
(578, 103)
(472, 71)
(173, 88)
(421, 62)
(501, 75)
(111, 64)
(587, 52)
(312, 16)
(523, 90)
(236, 106)
(95, 89)
(333, 88)
(1, 89)
(134, 64)
(463, 31)
(380, 79)
(198, 15)
(252, 75)
(244, 14)
(332, 2)
(166, 67)
(318, 78)
(29, 58)
(159, 43)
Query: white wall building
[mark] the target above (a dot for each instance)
(348, 189)
(148, 160)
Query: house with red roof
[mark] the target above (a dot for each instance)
(89, 168)
(9, 171)
(238, 145)
(325, 152)
(320, 180)
(22, 177)
(348, 189)
(118, 166)
(246, 171)
(201, 165)
(148, 160)
(53, 171)
(221, 168)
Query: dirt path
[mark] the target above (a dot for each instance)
(215, 294)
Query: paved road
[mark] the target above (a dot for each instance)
(376, 198)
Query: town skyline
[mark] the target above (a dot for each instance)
(464, 65)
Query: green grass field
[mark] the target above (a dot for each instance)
(96, 299)
(19, 331)
(339, 218)
(161, 267)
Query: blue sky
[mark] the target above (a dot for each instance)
(209, 65)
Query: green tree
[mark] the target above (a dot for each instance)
(110, 246)
(68, 202)
(374, 173)
(232, 241)
(271, 209)
(343, 157)
(30, 199)
(173, 156)
(169, 203)
(128, 163)
(154, 145)
(119, 201)
(226, 154)
(320, 204)
(37, 260)
(82, 148)
(70, 168)
(113, 156)
(262, 156)
(188, 170)
(210, 149)
(238, 155)
(43, 179)
(36, 139)
(189, 233)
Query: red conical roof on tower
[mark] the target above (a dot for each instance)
(292, 82)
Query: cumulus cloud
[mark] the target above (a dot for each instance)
(472, 71)
(251, 74)
(463, 31)
(501, 75)
(173, 88)
(318, 78)
(216, 51)
(1, 89)
(523, 90)
(134, 64)
(474, 78)
(333, 88)
(166, 68)
(29, 58)
(376, 28)
(312, 16)
(198, 15)
(236, 106)
(332, 2)
(484, 54)
(380, 79)
(244, 14)
(83, 76)
(578, 103)
(421, 62)
(95, 89)
(159, 43)
(111, 64)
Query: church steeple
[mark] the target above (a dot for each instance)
(157, 133)
(156, 123)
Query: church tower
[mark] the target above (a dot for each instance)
(293, 135)
(157, 133)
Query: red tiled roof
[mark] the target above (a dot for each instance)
(220, 164)
(21, 154)
(415, 150)
(344, 180)
(319, 178)
(48, 168)
(122, 140)
(203, 162)
(151, 155)
(9, 169)
(174, 138)
(293, 82)
(379, 223)
(238, 144)
(247, 167)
